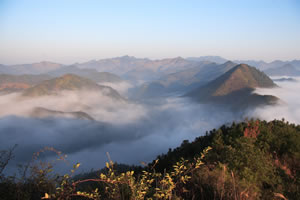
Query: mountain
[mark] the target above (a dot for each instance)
(185, 80)
(40, 112)
(215, 59)
(259, 64)
(264, 66)
(253, 151)
(13, 83)
(34, 68)
(69, 82)
(296, 63)
(235, 87)
(92, 74)
(129, 67)
(285, 70)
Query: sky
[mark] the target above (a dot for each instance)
(69, 31)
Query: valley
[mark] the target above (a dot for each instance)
(149, 100)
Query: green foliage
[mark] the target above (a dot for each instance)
(248, 160)
(261, 159)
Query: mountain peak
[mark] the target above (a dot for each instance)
(242, 65)
(229, 62)
(240, 77)
(235, 87)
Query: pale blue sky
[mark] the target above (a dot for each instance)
(68, 31)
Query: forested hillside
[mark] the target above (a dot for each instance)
(247, 160)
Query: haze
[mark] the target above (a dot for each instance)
(87, 98)
(77, 31)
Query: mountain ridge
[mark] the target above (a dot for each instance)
(68, 82)
(91, 74)
(285, 70)
(14, 83)
(185, 80)
(235, 89)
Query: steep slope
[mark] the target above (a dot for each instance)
(14, 83)
(91, 74)
(69, 82)
(185, 80)
(286, 70)
(250, 150)
(235, 87)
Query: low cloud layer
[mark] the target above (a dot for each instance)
(289, 107)
(100, 107)
(130, 132)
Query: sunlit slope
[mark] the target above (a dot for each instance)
(13, 83)
(69, 82)
(235, 88)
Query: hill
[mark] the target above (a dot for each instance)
(184, 80)
(248, 160)
(68, 82)
(92, 74)
(13, 83)
(261, 156)
(235, 87)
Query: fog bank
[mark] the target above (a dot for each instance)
(130, 132)
(289, 107)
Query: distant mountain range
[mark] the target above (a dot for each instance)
(285, 70)
(34, 68)
(69, 82)
(262, 65)
(234, 89)
(221, 82)
(215, 59)
(129, 67)
(132, 68)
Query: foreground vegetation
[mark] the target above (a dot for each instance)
(248, 160)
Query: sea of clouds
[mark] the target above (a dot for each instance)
(132, 132)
